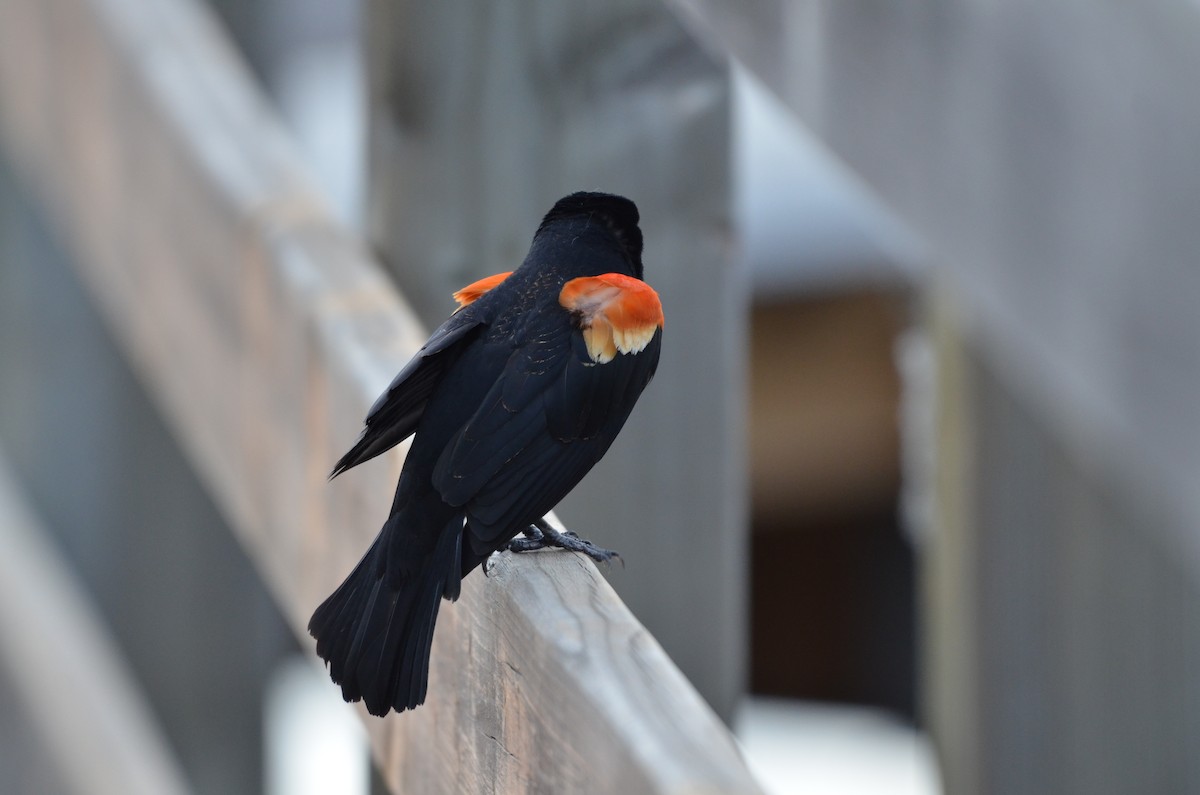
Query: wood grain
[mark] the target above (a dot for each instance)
(263, 333)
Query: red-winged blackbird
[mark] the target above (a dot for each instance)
(512, 400)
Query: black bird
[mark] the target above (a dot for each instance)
(512, 400)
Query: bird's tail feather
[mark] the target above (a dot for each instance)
(376, 630)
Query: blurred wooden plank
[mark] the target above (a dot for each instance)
(265, 332)
(950, 631)
(1061, 637)
(79, 697)
(1045, 152)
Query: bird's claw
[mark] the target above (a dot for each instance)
(540, 535)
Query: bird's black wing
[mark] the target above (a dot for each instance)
(395, 414)
(546, 421)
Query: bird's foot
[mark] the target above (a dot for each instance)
(540, 535)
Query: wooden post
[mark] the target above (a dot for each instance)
(1046, 153)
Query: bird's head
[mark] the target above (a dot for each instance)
(615, 216)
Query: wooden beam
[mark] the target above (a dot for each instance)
(80, 699)
(1045, 153)
(264, 332)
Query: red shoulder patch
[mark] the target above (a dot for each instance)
(617, 313)
(471, 293)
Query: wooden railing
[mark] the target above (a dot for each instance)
(264, 332)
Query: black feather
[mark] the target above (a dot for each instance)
(395, 414)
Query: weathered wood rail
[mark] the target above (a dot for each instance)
(263, 332)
